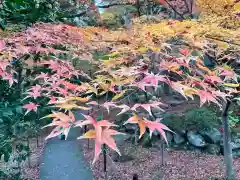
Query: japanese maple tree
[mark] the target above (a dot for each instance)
(150, 60)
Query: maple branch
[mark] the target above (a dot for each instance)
(114, 4)
(217, 39)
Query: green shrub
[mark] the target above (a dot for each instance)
(199, 118)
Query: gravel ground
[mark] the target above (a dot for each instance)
(178, 165)
(33, 172)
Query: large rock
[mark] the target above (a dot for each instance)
(235, 143)
(236, 153)
(196, 139)
(211, 135)
(213, 149)
(178, 138)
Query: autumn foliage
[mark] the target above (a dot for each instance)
(182, 69)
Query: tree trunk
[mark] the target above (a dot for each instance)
(228, 160)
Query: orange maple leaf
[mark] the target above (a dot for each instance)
(101, 133)
(62, 122)
(143, 123)
(104, 138)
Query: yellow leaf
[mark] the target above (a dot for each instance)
(80, 99)
(231, 85)
(173, 68)
(51, 115)
(110, 62)
(119, 95)
(113, 54)
(223, 45)
(225, 66)
(142, 49)
(190, 92)
(70, 106)
(155, 49)
(91, 134)
(237, 7)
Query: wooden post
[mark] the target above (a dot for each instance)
(105, 161)
(135, 177)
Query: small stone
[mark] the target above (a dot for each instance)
(178, 138)
(154, 98)
(213, 149)
(196, 139)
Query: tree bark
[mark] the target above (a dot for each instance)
(228, 160)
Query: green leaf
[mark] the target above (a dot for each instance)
(7, 112)
(6, 156)
(19, 110)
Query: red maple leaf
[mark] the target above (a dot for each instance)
(124, 108)
(62, 122)
(30, 107)
(34, 91)
(228, 75)
(105, 138)
(184, 52)
(2, 45)
(213, 79)
(42, 76)
(148, 107)
(207, 96)
(101, 133)
(143, 123)
(151, 80)
(9, 78)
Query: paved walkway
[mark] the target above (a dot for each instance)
(64, 160)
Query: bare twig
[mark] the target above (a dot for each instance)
(174, 9)
(217, 39)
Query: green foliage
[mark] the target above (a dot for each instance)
(29, 11)
(114, 17)
(202, 118)
(233, 119)
(199, 118)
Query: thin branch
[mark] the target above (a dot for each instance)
(114, 4)
(217, 39)
(174, 9)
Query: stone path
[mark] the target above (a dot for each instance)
(64, 160)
